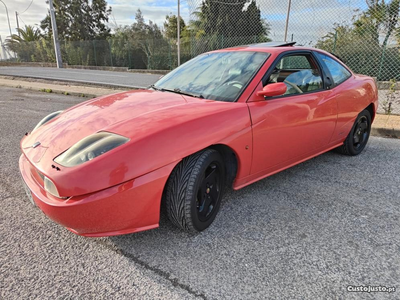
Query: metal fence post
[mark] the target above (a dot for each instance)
(95, 55)
(109, 46)
(334, 42)
(169, 56)
(129, 56)
(381, 63)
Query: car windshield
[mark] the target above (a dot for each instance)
(220, 76)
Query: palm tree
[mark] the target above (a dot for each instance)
(26, 35)
(23, 42)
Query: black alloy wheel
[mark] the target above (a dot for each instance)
(358, 137)
(194, 190)
(361, 133)
(209, 192)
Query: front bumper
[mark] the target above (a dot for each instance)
(129, 207)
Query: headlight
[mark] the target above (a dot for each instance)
(47, 119)
(89, 148)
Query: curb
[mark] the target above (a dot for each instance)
(80, 67)
(385, 132)
(72, 82)
(59, 87)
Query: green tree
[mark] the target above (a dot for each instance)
(221, 24)
(171, 27)
(364, 45)
(381, 17)
(339, 37)
(228, 20)
(23, 43)
(141, 45)
(186, 33)
(27, 34)
(149, 38)
(79, 20)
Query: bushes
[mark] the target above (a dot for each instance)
(372, 60)
(161, 54)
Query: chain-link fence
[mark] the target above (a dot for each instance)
(365, 34)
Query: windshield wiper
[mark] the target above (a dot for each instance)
(155, 88)
(177, 91)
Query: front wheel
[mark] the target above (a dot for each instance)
(358, 137)
(194, 190)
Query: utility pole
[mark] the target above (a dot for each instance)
(287, 19)
(3, 48)
(8, 18)
(9, 26)
(16, 17)
(55, 35)
(179, 32)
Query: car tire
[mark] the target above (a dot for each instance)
(358, 137)
(194, 190)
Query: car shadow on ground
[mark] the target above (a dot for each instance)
(309, 225)
(265, 213)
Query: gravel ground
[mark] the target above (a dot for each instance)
(305, 233)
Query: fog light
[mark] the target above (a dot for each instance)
(50, 187)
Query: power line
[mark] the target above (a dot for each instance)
(19, 17)
(26, 8)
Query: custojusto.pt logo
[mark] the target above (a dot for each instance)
(371, 288)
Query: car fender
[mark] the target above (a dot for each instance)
(157, 140)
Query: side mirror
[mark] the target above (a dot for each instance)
(273, 89)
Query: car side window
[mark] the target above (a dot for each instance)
(299, 72)
(338, 72)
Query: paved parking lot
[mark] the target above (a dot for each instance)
(305, 233)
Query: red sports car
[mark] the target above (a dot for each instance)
(225, 118)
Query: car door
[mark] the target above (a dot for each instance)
(348, 108)
(296, 125)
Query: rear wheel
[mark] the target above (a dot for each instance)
(358, 137)
(194, 190)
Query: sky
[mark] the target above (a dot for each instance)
(309, 19)
(123, 12)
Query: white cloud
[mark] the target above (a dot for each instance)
(34, 15)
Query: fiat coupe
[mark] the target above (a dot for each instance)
(226, 118)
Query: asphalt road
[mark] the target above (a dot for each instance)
(305, 233)
(121, 79)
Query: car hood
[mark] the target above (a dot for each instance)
(100, 114)
(162, 128)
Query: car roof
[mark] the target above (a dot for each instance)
(270, 47)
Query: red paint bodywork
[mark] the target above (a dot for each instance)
(120, 191)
